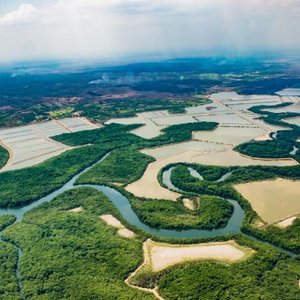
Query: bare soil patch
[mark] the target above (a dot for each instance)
(114, 222)
(273, 200)
(76, 209)
(286, 223)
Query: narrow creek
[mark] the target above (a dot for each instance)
(121, 202)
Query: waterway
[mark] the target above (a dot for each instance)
(121, 202)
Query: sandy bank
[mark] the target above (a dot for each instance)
(114, 222)
(188, 203)
(76, 209)
(162, 256)
(286, 223)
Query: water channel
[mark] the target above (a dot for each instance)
(121, 202)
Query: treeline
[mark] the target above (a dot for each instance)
(278, 148)
(103, 110)
(183, 180)
(179, 133)
(246, 174)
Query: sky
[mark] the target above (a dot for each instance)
(115, 29)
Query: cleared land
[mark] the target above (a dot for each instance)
(114, 222)
(294, 108)
(148, 131)
(289, 92)
(76, 209)
(236, 125)
(286, 223)
(228, 109)
(188, 203)
(264, 137)
(211, 154)
(159, 256)
(111, 221)
(230, 135)
(273, 200)
(295, 121)
(30, 145)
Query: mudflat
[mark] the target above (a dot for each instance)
(273, 200)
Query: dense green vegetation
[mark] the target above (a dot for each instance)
(119, 133)
(247, 174)
(261, 277)
(288, 238)
(268, 149)
(211, 212)
(183, 180)
(211, 173)
(179, 133)
(26, 185)
(282, 146)
(4, 156)
(8, 282)
(111, 132)
(122, 166)
(70, 255)
(6, 220)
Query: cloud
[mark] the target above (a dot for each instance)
(115, 28)
(25, 13)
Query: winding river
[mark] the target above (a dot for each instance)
(121, 202)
